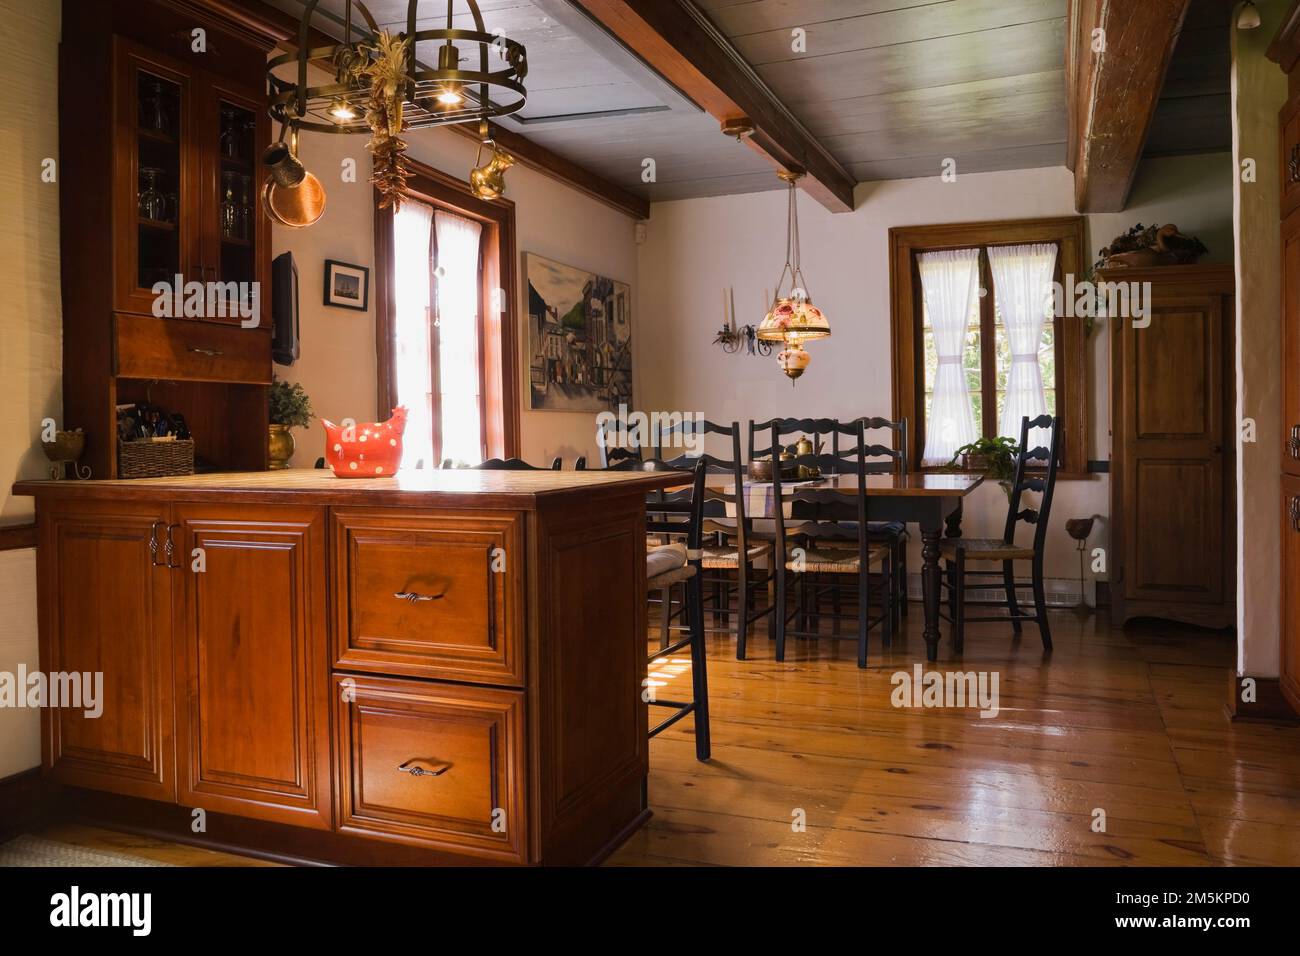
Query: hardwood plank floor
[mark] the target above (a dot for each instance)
(1130, 723)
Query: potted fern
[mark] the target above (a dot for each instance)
(995, 457)
(289, 407)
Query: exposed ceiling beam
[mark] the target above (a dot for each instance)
(529, 153)
(676, 39)
(1114, 87)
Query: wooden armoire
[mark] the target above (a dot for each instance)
(1285, 51)
(1172, 471)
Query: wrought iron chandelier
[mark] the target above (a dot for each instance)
(380, 85)
(793, 319)
(430, 97)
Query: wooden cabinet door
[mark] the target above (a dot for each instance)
(1291, 343)
(1172, 403)
(1291, 590)
(105, 605)
(253, 717)
(155, 173)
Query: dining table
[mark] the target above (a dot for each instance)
(930, 500)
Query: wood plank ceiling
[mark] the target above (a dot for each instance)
(891, 87)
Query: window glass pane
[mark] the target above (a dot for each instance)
(457, 276)
(411, 276)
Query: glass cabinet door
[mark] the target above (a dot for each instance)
(153, 201)
(234, 238)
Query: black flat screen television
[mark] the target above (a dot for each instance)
(284, 310)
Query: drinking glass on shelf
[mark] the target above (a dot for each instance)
(245, 207)
(229, 208)
(231, 128)
(152, 203)
(155, 107)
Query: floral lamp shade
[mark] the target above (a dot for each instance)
(793, 320)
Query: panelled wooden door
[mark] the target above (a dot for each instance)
(1290, 679)
(1173, 454)
(105, 603)
(253, 715)
(1291, 341)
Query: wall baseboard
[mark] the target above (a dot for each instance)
(21, 802)
(1060, 592)
(1269, 705)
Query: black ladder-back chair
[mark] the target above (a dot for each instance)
(511, 464)
(660, 506)
(958, 551)
(681, 513)
(819, 515)
(615, 454)
(880, 460)
(729, 543)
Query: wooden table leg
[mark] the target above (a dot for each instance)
(930, 578)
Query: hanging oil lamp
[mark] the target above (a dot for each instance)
(793, 319)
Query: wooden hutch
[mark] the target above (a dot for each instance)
(162, 121)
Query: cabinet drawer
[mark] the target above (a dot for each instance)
(185, 350)
(434, 765)
(430, 594)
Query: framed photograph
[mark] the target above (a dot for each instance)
(347, 286)
(580, 338)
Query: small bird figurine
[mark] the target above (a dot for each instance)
(373, 450)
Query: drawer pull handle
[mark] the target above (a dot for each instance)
(1293, 165)
(1293, 443)
(414, 596)
(1295, 512)
(420, 771)
(210, 353)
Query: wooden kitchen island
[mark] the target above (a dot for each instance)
(444, 666)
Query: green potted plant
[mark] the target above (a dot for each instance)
(996, 457)
(289, 408)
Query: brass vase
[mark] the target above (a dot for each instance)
(280, 447)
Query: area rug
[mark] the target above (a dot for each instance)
(26, 850)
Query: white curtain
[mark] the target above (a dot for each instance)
(457, 275)
(949, 283)
(1022, 278)
(412, 230)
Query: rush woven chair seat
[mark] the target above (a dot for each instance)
(837, 560)
(985, 549)
(958, 551)
(729, 557)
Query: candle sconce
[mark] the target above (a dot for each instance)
(731, 337)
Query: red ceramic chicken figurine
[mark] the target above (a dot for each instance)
(372, 450)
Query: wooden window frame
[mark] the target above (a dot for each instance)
(498, 338)
(906, 334)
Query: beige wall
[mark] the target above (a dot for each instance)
(695, 248)
(1258, 92)
(338, 346)
(30, 327)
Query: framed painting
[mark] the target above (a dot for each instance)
(579, 338)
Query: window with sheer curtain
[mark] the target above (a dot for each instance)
(437, 350)
(976, 321)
